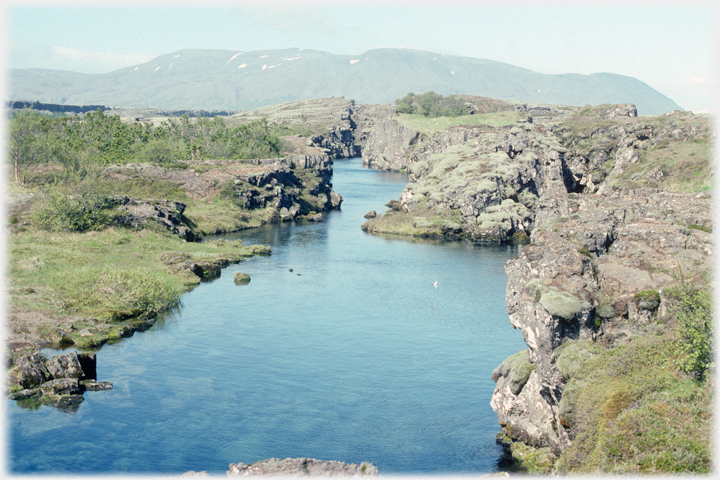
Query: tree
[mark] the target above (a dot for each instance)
(25, 144)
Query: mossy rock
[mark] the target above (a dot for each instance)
(242, 278)
(532, 459)
(516, 369)
(562, 304)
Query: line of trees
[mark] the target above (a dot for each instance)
(100, 139)
(431, 104)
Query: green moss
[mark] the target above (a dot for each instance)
(570, 356)
(533, 460)
(648, 296)
(517, 369)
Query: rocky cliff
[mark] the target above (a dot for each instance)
(596, 273)
(608, 203)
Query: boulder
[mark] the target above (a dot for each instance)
(31, 371)
(62, 386)
(242, 278)
(66, 365)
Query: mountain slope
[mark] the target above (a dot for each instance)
(232, 80)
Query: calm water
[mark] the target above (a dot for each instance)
(354, 356)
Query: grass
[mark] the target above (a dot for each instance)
(429, 126)
(97, 273)
(221, 215)
(633, 413)
(686, 167)
(420, 222)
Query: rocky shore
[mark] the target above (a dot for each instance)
(597, 273)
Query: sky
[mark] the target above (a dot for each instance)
(668, 45)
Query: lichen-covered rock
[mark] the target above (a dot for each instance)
(515, 371)
(302, 467)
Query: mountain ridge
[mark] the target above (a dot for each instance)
(244, 80)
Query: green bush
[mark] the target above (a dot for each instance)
(691, 305)
(58, 212)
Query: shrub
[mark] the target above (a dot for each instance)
(74, 213)
(691, 305)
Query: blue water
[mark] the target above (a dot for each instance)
(354, 356)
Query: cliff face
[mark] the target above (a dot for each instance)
(597, 192)
(580, 278)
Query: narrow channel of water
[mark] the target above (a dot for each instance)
(352, 356)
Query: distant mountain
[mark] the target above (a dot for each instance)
(232, 80)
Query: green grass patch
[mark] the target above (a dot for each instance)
(102, 272)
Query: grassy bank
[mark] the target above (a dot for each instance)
(106, 276)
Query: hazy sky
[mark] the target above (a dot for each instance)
(669, 46)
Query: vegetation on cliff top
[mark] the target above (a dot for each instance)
(645, 406)
(431, 104)
(74, 144)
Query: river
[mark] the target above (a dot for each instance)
(351, 356)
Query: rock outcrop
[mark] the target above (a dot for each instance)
(302, 467)
(59, 381)
(488, 185)
(293, 186)
(163, 213)
(596, 274)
